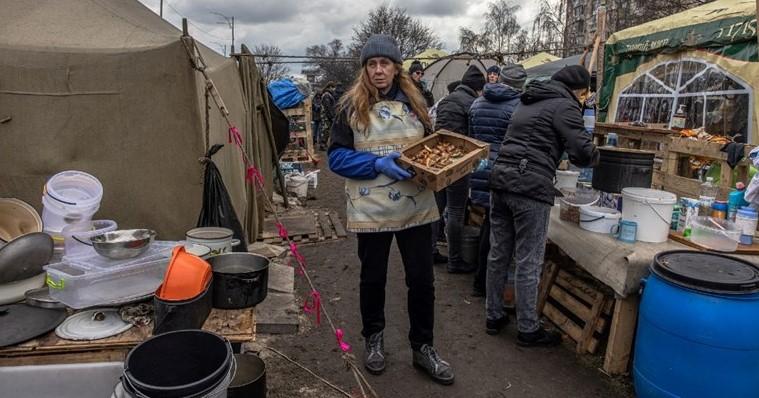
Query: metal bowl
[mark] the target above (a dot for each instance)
(119, 245)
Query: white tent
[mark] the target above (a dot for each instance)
(448, 69)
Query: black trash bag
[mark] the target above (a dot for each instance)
(217, 209)
(280, 126)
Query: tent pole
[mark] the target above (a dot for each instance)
(601, 27)
(184, 27)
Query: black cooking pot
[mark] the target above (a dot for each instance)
(240, 280)
(250, 377)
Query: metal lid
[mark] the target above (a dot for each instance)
(25, 256)
(209, 233)
(22, 322)
(92, 325)
(707, 272)
(41, 298)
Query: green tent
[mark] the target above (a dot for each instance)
(702, 61)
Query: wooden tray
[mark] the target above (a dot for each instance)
(437, 179)
(742, 249)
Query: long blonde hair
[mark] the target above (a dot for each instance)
(363, 95)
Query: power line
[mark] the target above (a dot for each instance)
(192, 23)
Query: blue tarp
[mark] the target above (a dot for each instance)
(285, 93)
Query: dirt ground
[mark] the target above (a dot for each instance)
(486, 366)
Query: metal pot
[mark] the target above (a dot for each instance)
(250, 377)
(240, 280)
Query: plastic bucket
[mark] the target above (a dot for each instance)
(250, 379)
(566, 179)
(598, 219)
(185, 363)
(76, 237)
(651, 209)
(70, 197)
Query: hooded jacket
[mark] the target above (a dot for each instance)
(427, 94)
(546, 123)
(489, 119)
(453, 110)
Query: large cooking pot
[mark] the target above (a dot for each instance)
(250, 377)
(240, 280)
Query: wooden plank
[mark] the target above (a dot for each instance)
(302, 224)
(619, 346)
(329, 230)
(614, 127)
(594, 317)
(578, 308)
(547, 284)
(703, 148)
(339, 228)
(566, 325)
(581, 290)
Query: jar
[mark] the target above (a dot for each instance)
(719, 209)
(746, 218)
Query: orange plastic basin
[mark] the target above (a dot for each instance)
(186, 277)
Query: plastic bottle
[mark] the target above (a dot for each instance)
(735, 200)
(707, 196)
(719, 209)
(678, 119)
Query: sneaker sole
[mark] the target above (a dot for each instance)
(374, 372)
(445, 382)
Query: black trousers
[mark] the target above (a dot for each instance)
(373, 251)
(482, 255)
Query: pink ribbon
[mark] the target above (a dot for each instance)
(253, 176)
(234, 133)
(313, 304)
(345, 347)
(296, 254)
(282, 231)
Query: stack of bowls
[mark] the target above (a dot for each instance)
(184, 299)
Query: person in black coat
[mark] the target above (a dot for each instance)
(489, 119)
(546, 123)
(453, 115)
(416, 71)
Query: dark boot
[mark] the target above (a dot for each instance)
(438, 258)
(539, 338)
(461, 268)
(427, 359)
(494, 326)
(374, 361)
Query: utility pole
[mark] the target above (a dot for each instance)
(230, 22)
(161, 9)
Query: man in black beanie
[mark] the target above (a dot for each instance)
(416, 71)
(546, 123)
(453, 115)
(493, 73)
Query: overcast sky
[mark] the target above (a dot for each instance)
(294, 25)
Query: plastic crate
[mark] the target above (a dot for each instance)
(87, 282)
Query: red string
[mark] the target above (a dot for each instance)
(313, 303)
(282, 231)
(339, 334)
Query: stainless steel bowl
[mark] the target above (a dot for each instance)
(119, 245)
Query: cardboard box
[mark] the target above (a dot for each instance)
(437, 179)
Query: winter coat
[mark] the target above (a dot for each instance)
(546, 123)
(328, 106)
(453, 110)
(426, 94)
(489, 118)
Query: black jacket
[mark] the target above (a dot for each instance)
(427, 94)
(329, 105)
(547, 122)
(453, 110)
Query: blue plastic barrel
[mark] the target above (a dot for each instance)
(698, 329)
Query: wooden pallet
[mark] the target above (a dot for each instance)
(575, 306)
(305, 227)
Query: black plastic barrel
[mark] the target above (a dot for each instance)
(178, 364)
(620, 168)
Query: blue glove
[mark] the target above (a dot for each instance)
(387, 166)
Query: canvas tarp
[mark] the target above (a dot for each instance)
(538, 59)
(546, 70)
(426, 57)
(444, 71)
(108, 87)
(704, 59)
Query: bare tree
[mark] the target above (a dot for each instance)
(548, 27)
(473, 42)
(330, 64)
(501, 25)
(411, 34)
(269, 62)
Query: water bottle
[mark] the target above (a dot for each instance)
(735, 200)
(589, 119)
(707, 196)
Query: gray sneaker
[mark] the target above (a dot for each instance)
(374, 361)
(427, 359)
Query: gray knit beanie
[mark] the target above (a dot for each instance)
(381, 46)
(513, 75)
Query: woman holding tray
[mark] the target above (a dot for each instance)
(381, 114)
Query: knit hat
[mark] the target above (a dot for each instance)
(574, 76)
(415, 66)
(381, 46)
(473, 78)
(452, 86)
(493, 69)
(513, 75)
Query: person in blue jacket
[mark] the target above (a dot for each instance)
(382, 113)
(489, 118)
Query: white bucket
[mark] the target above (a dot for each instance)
(297, 185)
(566, 179)
(651, 209)
(598, 219)
(70, 197)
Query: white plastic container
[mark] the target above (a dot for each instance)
(566, 179)
(218, 239)
(76, 237)
(70, 197)
(599, 219)
(651, 209)
(96, 280)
